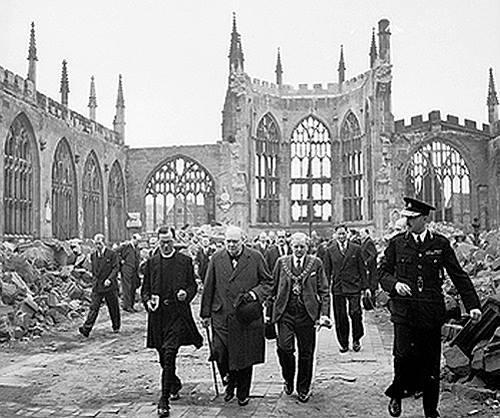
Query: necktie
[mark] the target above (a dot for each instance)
(419, 240)
(298, 265)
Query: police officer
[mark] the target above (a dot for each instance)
(412, 272)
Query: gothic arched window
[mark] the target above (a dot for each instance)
(311, 188)
(20, 177)
(64, 212)
(93, 220)
(178, 193)
(352, 168)
(116, 204)
(438, 174)
(266, 170)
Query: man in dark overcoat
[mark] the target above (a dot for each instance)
(105, 268)
(301, 299)
(167, 291)
(130, 260)
(202, 258)
(369, 254)
(411, 271)
(345, 267)
(233, 273)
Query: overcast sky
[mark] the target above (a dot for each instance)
(173, 54)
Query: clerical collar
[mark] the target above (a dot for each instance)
(169, 255)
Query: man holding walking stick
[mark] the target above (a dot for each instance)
(236, 285)
(168, 288)
(301, 301)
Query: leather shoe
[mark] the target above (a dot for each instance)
(84, 332)
(244, 401)
(356, 346)
(229, 394)
(418, 394)
(175, 394)
(394, 407)
(163, 409)
(288, 388)
(304, 396)
(343, 349)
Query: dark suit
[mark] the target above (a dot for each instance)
(273, 252)
(172, 324)
(237, 346)
(418, 318)
(347, 274)
(130, 261)
(202, 258)
(369, 254)
(104, 267)
(299, 298)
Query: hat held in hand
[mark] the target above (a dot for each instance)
(247, 308)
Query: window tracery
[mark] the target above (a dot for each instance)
(92, 194)
(116, 204)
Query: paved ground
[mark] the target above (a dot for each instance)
(112, 375)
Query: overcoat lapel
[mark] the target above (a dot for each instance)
(227, 268)
(242, 263)
(346, 255)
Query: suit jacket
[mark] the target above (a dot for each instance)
(223, 284)
(202, 258)
(369, 254)
(105, 267)
(315, 292)
(180, 276)
(346, 271)
(273, 253)
(130, 259)
(423, 265)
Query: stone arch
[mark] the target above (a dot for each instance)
(21, 178)
(179, 191)
(116, 204)
(64, 192)
(352, 167)
(267, 161)
(437, 172)
(310, 171)
(92, 197)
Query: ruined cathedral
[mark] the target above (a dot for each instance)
(302, 157)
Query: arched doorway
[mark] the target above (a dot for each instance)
(92, 194)
(116, 204)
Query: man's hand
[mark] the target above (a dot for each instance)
(475, 314)
(324, 321)
(205, 322)
(181, 295)
(153, 303)
(403, 289)
(107, 282)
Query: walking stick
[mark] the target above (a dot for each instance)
(316, 349)
(214, 372)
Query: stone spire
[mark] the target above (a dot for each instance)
(384, 41)
(236, 58)
(279, 70)
(32, 58)
(492, 100)
(373, 50)
(119, 120)
(64, 90)
(92, 100)
(341, 67)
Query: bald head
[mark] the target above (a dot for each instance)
(234, 240)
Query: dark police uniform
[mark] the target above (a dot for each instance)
(418, 318)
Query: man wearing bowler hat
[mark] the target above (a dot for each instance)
(412, 272)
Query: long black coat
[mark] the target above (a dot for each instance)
(105, 267)
(369, 254)
(404, 261)
(130, 260)
(245, 343)
(346, 271)
(273, 253)
(181, 277)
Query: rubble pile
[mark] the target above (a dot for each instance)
(37, 289)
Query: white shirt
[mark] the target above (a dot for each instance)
(421, 235)
(298, 262)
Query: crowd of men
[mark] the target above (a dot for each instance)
(286, 282)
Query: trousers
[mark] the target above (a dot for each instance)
(342, 327)
(96, 299)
